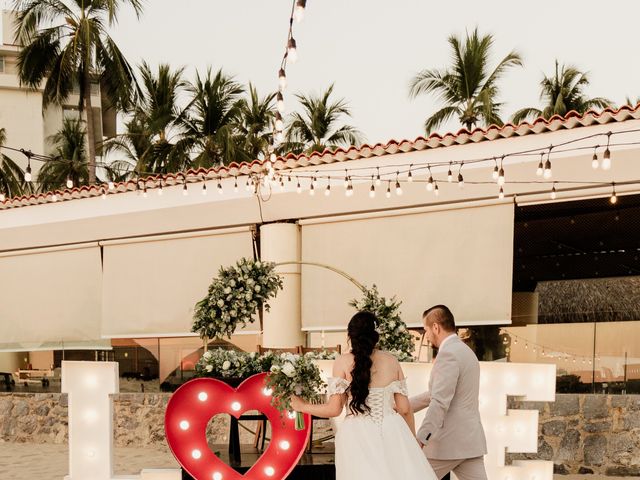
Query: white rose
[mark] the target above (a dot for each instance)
(275, 368)
(288, 369)
(209, 368)
(227, 290)
(392, 324)
(207, 355)
(233, 313)
(221, 303)
(257, 288)
(387, 303)
(258, 264)
(250, 282)
(226, 365)
(232, 283)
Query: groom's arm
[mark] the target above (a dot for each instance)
(443, 388)
(420, 402)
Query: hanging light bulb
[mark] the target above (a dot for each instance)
(235, 184)
(606, 159)
(280, 102)
(327, 191)
(185, 190)
(315, 179)
(144, 189)
(346, 179)
(279, 122)
(501, 193)
(553, 192)
(372, 189)
(160, 192)
(449, 174)
(27, 174)
(460, 179)
(298, 12)
(298, 187)
(398, 188)
(594, 160)
(281, 184)
(54, 197)
(312, 189)
(69, 182)
(104, 194)
(111, 185)
(378, 181)
(430, 183)
(292, 51)
(540, 170)
(614, 197)
(247, 185)
(436, 190)
(496, 172)
(410, 175)
(279, 137)
(388, 193)
(547, 167)
(501, 176)
(282, 79)
(220, 191)
(2, 197)
(350, 188)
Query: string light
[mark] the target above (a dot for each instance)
(185, 190)
(27, 174)
(298, 187)
(614, 197)
(398, 187)
(496, 172)
(460, 179)
(372, 189)
(144, 189)
(346, 179)
(279, 122)
(292, 51)
(501, 193)
(298, 13)
(430, 181)
(69, 182)
(112, 185)
(540, 170)
(449, 174)
(501, 173)
(103, 194)
(2, 197)
(282, 79)
(312, 189)
(553, 191)
(436, 190)
(235, 184)
(594, 160)
(247, 185)
(160, 190)
(547, 166)
(349, 191)
(378, 181)
(388, 194)
(327, 191)
(410, 175)
(280, 102)
(606, 157)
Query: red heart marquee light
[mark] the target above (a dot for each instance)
(197, 401)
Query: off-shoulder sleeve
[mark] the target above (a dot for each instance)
(337, 386)
(400, 386)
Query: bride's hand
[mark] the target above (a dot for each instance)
(297, 404)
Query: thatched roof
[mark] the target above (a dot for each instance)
(592, 300)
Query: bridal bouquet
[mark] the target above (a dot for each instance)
(292, 374)
(234, 297)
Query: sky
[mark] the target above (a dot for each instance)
(371, 49)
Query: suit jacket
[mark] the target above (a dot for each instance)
(451, 429)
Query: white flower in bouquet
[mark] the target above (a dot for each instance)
(289, 370)
(207, 355)
(227, 290)
(221, 303)
(209, 368)
(275, 368)
(226, 365)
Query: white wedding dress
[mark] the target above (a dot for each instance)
(377, 445)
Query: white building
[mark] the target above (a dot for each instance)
(21, 114)
(84, 270)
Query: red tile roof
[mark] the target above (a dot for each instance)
(569, 121)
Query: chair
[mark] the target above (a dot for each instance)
(337, 349)
(262, 349)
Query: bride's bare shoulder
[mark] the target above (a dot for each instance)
(385, 357)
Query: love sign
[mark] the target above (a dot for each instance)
(197, 401)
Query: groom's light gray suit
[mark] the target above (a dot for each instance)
(451, 430)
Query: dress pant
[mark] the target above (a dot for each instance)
(465, 469)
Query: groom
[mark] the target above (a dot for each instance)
(451, 431)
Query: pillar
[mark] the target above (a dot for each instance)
(282, 326)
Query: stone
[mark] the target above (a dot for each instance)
(619, 401)
(6, 405)
(569, 446)
(585, 471)
(595, 447)
(42, 411)
(565, 405)
(617, 471)
(545, 451)
(595, 406)
(20, 408)
(554, 428)
(621, 442)
(631, 421)
(560, 469)
(597, 427)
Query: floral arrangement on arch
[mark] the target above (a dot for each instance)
(395, 338)
(234, 297)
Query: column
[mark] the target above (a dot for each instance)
(280, 242)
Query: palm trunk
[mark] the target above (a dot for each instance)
(91, 141)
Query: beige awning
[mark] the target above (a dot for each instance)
(152, 284)
(50, 299)
(461, 257)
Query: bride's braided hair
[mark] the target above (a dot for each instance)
(364, 337)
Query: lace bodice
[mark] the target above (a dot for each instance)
(380, 399)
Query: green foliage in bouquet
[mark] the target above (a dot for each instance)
(395, 338)
(234, 297)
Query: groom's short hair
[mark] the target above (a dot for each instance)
(441, 315)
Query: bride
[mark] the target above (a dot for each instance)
(377, 440)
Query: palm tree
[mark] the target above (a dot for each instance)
(562, 93)
(70, 162)
(12, 182)
(66, 44)
(316, 128)
(146, 142)
(209, 122)
(632, 103)
(468, 88)
(254, 131)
